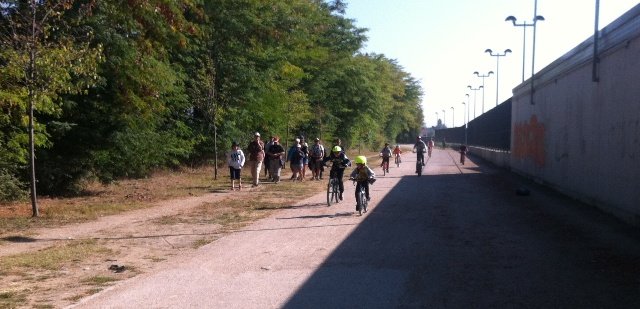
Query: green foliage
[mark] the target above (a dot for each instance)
(157, 77)
(10, 187)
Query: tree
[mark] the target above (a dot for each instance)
(43, 57)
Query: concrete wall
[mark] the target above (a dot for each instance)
(583, 137)
(501, 158)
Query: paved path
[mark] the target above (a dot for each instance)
(457, 237)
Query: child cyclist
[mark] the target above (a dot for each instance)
(363, 175)
(397, 152)
(339, 162)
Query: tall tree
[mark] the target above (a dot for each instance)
(43, 58)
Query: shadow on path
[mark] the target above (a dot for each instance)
(468, 241)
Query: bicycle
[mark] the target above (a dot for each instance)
(420, 164)
(361, 198)
(385, 166)
(333, 187)
(398, 160)
(430, 149)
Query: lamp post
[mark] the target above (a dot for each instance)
(498, 55)
(437, 116)
(444, 117)
(464, 118)
(453, 117)
(533, 56)
(483, 76)
(474, 98)
(524, 26)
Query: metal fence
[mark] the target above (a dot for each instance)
(490, 130)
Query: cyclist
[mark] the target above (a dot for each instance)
(463, 153)
(362, 174)
(397, 152)
(420, 147)
(430, 145)
(339, 162)
(385, 153)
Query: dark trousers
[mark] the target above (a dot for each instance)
(359, 185)
(338, 173)
(421, 157)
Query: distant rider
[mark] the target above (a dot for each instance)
(419, 148)
(385, 153)
(397, 152)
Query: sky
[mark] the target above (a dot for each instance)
(442, 43)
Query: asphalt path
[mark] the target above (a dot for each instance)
(456, 237)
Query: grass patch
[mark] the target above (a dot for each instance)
(78, 297)
(200, 242)
(155, 259)
(12, 299)
(54, 258)
(103, 200)
(99, 280)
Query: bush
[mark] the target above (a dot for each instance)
(11, 188)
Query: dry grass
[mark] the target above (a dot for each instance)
(12, 299)
(99, 280)
(52, 258)
(103, 200)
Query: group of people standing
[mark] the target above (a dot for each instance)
(300, 156)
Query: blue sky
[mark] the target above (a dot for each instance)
(442, 42)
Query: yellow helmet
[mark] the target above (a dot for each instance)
(361, 160)
(336, 149)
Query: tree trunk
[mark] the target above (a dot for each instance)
(31, 77)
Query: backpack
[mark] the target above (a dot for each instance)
(296, 156)
(316, 151)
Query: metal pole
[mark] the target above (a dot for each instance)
(524, 48)
(497, 78)
(464, 116)
(533, 56)
(596, 59)
(444, 118)
(453, 117)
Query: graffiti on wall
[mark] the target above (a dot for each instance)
(528, 141)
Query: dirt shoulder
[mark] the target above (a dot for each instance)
(53, 267)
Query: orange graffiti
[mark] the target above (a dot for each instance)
(529, 141)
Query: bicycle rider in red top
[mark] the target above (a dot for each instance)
(397, 152)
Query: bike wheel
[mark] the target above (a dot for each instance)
(329, 192)
(365, 203)
(419, 169)
(362, 197)
(336, 191)
(384, 169)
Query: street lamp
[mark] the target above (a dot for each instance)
(506, 51)
(453, 117)
(483, 76)
(465, 116)
(474, 98)
(444, 117)
(524, 26)
(437, 117)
